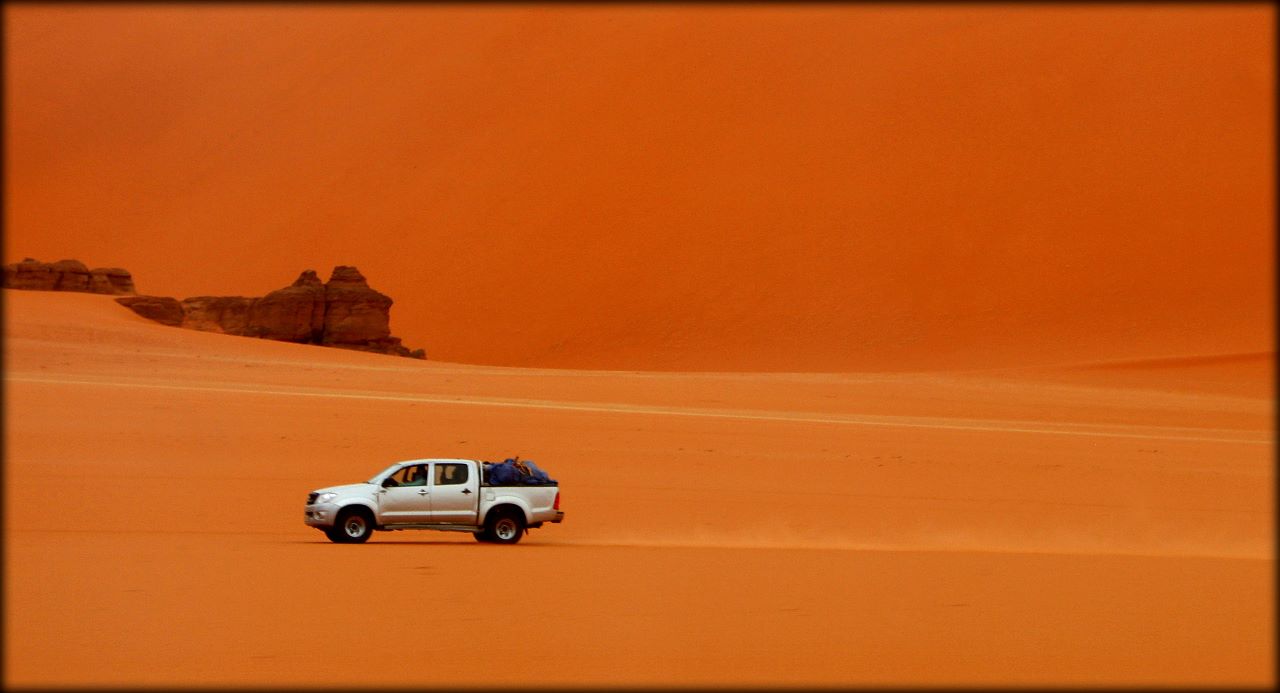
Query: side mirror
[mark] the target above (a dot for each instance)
(389, 482)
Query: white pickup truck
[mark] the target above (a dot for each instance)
(443, 494)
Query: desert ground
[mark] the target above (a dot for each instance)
(828, 187)
(871, 345)
(1024, 526)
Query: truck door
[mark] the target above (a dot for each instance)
(453, 493)
(408, 498)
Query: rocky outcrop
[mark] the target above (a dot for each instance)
(344, 312)
(354, 312)
(226, 314)
(67, 275)
(162, 309)
(295, 313)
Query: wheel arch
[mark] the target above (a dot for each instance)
(508, 504)
(357, 502)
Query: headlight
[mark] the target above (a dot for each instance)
(325, 497)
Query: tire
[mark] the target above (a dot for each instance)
(505, 528)
(353, 526)
(482, 536)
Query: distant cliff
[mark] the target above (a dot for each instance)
(67, 275)
(343, 312)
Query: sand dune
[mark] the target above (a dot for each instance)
(723, 528)
(871, 345)
(825, 188)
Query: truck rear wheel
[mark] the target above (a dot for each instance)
(481, 536)
(353, 526)
(505, 528)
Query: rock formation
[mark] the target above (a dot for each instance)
(162, 309)
(225, 314)
(293, 314)
(344, 312)
(67, 275)
(353, 311)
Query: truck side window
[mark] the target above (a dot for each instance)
(448, 474)
(413, 475)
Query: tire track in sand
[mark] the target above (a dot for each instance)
(937, 423)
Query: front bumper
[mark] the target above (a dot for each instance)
(320, 515)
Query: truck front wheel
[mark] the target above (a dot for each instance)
(505, 528)
(353, 526)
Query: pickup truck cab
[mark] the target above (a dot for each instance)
(451, 495)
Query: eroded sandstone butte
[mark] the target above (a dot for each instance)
(67, 275)
(344, 312)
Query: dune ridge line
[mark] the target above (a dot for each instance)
(891, 421)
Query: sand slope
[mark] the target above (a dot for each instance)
(824, 188)
(723, 528)
(871, 345)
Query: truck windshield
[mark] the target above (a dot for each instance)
(373, 479)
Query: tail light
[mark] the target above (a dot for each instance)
(556, 505)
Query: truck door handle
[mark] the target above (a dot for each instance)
(423, 492)
(466, 490)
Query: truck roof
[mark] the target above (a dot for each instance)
(435, 459)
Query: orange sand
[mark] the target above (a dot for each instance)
(937, 342)
(822, 188)
(723, 528)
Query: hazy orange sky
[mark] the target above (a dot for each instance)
(782, 187)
